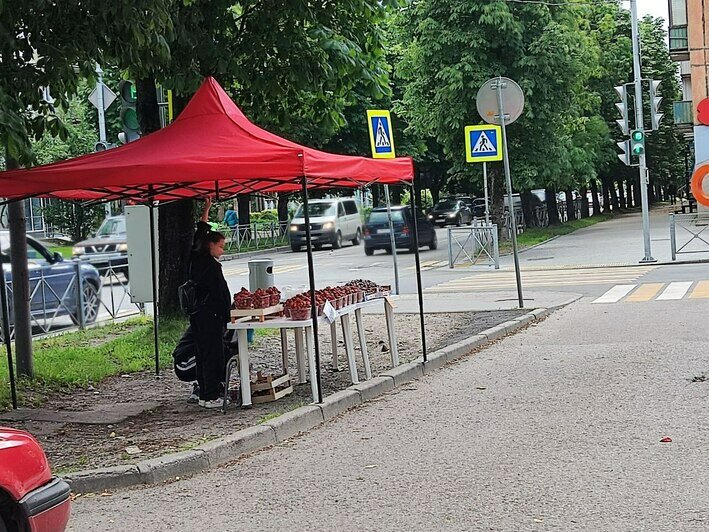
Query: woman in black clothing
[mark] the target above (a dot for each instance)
(209, 323)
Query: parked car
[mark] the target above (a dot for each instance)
(109, 247)
(31, 499)
(377, 231)
(53, 282)
(450, 211)
(331, 222)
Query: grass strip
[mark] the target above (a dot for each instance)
(79, 358)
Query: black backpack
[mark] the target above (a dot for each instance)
(188, 295)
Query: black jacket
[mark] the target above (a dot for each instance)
(206, 271)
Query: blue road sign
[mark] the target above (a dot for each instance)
(483, 143)
(380, 134)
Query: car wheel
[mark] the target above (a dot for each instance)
(357, 239)
(459, 221)
(434, 242)
(388, 251)
(317, 247)
(368, 251)
(337, 244)
(92, 303)
(295, 248)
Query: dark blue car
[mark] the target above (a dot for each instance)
(377, 233)
(53, 283)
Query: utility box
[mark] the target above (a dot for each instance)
(260, 274)
(139, 249)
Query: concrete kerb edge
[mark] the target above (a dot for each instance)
(302, 419)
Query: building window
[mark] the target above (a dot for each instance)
(678, 12)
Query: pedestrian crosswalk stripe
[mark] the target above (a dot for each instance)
(645, 292)
(615, 294)
(674, 291)
(278, 269)
(537, 278)
(700, 291)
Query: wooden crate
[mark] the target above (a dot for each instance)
(256, 313)
(270, 388)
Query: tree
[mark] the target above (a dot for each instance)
(456, 45)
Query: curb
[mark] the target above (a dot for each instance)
(228, 448)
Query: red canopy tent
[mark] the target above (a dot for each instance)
(211, 149)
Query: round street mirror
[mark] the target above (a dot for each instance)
(512, 100)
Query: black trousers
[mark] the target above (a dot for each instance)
(209, 332)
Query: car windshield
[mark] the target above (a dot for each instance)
(446, 204)
(381, 216)
(112, 226)
(318, 209)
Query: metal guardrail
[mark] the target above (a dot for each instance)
(258, 235)
(692, 231)
(473, 244)
(62, 295)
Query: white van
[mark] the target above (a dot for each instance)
(331, 222)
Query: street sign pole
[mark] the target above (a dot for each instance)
(101, 109)
(508, 180)
(487, 206)
(644, 176)
(392, 240)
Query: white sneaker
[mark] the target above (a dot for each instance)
(214, 403)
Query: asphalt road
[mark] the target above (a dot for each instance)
(555, 428)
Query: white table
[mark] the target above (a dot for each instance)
(301, 327)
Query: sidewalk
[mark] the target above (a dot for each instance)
(616, 242)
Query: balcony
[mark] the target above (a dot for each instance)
(683, 113)
(679, 43)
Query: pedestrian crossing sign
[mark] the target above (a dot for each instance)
(483, 143)
(380, 134)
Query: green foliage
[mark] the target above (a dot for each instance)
(73, 219)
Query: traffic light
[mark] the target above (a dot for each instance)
(623, 108)
(655, 101)
(637, 142)
(129, 114)
(625, 156)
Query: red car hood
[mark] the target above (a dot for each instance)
(23, 465)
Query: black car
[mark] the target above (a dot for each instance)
(377, 234)
(450, 211)
(478, 207)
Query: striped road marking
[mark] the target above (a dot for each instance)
(537, 278)
(645, 292)
(700, 291)
(615, 294)
(674, 291)
(278, 269)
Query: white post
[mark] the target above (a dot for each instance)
(392, 240)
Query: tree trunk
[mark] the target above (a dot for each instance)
(244, 203)
(282, 208)
(651, 192)
(594, 198)
(176, 224)
(621, 195)
(570, 206)
(584, 202)
(497, 202)
(637, 191)
(629, 197)
(21, 295)
(375, 196)
(552, 209)
(396, 195)
(610, 198)
(527, 209)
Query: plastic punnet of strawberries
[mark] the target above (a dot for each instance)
(260, 298)
(243, 299)
(274, 295)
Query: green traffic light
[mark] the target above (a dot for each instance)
(638, 150)
(638, 136)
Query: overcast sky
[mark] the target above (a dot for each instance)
(656, 8)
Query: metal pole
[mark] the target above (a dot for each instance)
(392, 241)
(508, 180)
(311, 279)
(6, 335)
(487, 205)
(644, 176)
(99, 101)
(418, 271)
(154, 269)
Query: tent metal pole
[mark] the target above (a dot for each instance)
(392, 241)
(418, 270)
(311, 278)
(8, 340)
(154, 269)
